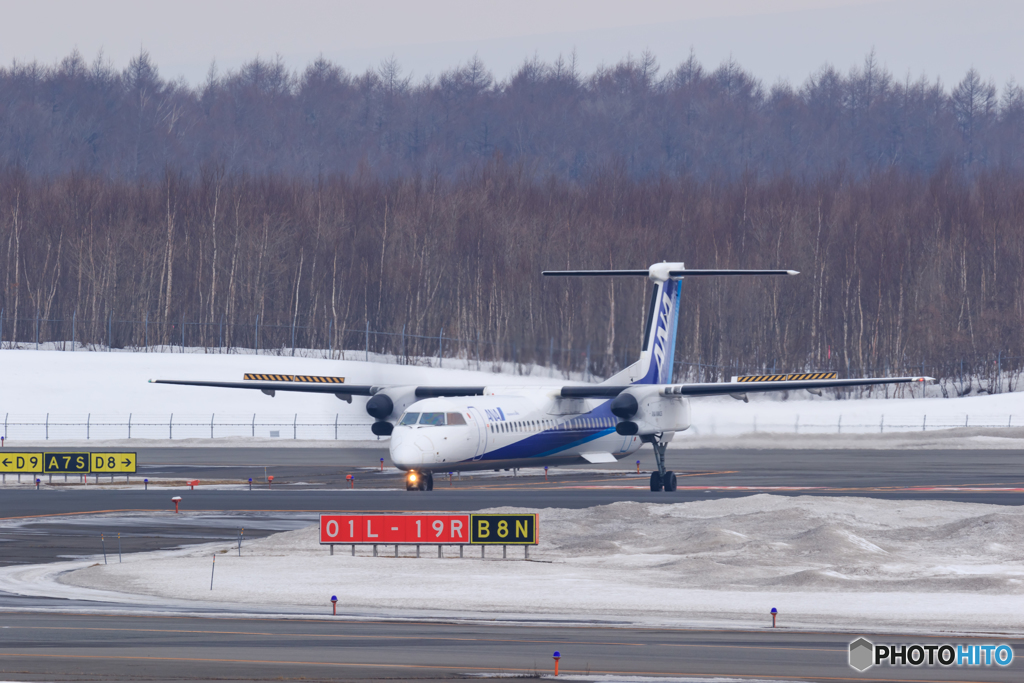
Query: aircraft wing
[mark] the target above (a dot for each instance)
(340, 390)
(728, 388)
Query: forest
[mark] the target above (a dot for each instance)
(280, 210)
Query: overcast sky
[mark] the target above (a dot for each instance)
(774, 39)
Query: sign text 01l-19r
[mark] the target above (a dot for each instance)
(426, 529)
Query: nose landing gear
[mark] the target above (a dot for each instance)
(419, 481)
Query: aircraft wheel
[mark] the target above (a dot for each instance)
(429, 481)
(656, 484)
(670, 481)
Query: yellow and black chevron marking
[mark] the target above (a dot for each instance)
(295, 378)
(788, 378)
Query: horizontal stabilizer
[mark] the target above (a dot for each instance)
(672, 273)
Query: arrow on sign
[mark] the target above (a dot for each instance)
(126, 462)
(6, 462)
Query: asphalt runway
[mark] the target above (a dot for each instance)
(57, 647)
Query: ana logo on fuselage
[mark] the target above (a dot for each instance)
(495, 415)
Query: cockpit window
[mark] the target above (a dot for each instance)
(409, 419)
(433, 419)
(456, 419)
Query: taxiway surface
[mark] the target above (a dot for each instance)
(158, 648)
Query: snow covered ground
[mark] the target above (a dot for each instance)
(836, 563)
(70, 396)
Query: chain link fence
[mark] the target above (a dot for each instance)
(331, 427)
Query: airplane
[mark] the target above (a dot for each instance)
(472, 428)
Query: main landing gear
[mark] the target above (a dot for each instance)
(661, 479)
(419, 481)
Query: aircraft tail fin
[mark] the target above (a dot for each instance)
(657, 356)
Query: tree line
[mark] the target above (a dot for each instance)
(900, 271)
(548, 118)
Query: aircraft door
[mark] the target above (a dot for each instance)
(481, 432)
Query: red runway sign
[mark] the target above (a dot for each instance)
(395, 529)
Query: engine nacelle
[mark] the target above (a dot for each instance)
(644, 411)
(389, 404)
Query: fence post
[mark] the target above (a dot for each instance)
(183, 333)
(403, 345)
(257, 336)
(839, 429)
(293, 337)
(47, 426)
(212, 415)
(254, 424)
(74, 315)
(220, 333)
(295, 427)
(924, 423)
(146, 331)
(330, 344)
(881, 424)
(129, 425)
(367, 341)
(110, 330)
(37, 329)
(170, 427)
(88, 425)
(335, 426)
(440, 347)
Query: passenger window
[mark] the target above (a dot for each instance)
(456, 419)
(409, 419)
(432, 419)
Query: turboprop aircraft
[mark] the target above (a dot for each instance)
(465, 428)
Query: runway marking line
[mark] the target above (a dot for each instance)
(476, 625)
(222, 511)
(588, 671)
(403, 637)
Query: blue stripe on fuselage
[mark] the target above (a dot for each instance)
(552, 441)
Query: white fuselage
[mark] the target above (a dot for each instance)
(520, 428)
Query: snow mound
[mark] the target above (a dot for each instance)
(822, 561)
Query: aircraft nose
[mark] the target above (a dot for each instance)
(403, 452)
